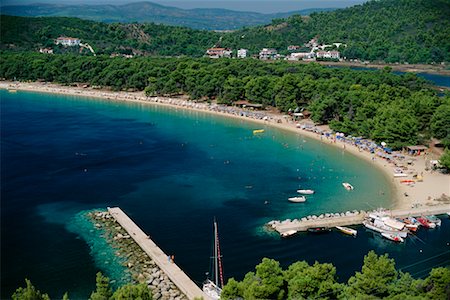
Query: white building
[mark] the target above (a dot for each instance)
(242, 53)
(301, 55)
(219, 52)
(328, 54)
(267, 53)
(67, 41)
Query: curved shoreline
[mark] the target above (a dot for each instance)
(427, 192)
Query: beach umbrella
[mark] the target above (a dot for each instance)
(383, 144)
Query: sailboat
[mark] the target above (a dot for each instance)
(213, 288)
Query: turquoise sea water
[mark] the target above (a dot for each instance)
(172, 171)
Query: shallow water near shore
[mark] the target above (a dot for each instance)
(172, 171)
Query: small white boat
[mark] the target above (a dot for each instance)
(288, 233)
(393, 237)
(305, 192)
(297, 199)
(400, 175)
(347, 230)
(348, 186)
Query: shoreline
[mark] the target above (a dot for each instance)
(412, 68)
(434, 184)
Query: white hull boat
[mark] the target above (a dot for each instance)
(381, 228)
(297, 199)
(288, 233)
(347, 230)
(348, 186)
(305, 192)
(393, 237)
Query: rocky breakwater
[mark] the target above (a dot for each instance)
(138, 263)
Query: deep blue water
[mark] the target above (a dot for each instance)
(172, 171)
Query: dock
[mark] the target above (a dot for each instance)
(350, 218)
(175, 274)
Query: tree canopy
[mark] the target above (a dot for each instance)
(397, 109)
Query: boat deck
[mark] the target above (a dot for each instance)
(175, 274)
(355, 219)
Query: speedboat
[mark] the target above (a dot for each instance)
(426, 223)
(319, 229)
(393, 237)
(297, 199)
(347, 230)
(434, 219)
(288, 233)
(305, 192)
(348, 186)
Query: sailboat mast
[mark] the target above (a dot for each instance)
(216, 267)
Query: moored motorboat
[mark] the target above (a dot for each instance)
(393, 237)
(297, 199)
(306, 192)
(256, 131)
(347, 230)
(348, 186)
(434, 219)
(426, 223)
(288, 233)
(319, 229)
(379, 226)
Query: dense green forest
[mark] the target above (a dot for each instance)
(378, 279)
(24, 34)
(413, 31)
(399, 110)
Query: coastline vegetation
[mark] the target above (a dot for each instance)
(397, 109)
(391, 31)
(378, 279)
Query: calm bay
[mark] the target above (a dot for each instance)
(173, 171)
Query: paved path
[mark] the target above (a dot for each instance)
(353, 220)
(175, 274)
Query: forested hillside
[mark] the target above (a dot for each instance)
(399, 110)
(414, 31)
(25, 33)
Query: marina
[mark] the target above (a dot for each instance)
(346, 219)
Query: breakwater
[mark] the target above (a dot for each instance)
(144, 268)
(348, 218)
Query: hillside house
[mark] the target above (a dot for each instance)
(67, 41)
(267, 53)
(242, 53)
(293, 47)
(46, 50)
(301, 55)
(328, 54)
(219, 52)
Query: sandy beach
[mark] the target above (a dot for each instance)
(434, 189)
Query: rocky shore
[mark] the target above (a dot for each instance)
(141, 267)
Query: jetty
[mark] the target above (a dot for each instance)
(349, 218)
(175, 274)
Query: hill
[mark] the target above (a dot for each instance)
(30, 34)
(146, 12)
(405, 31)
(414, 31)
